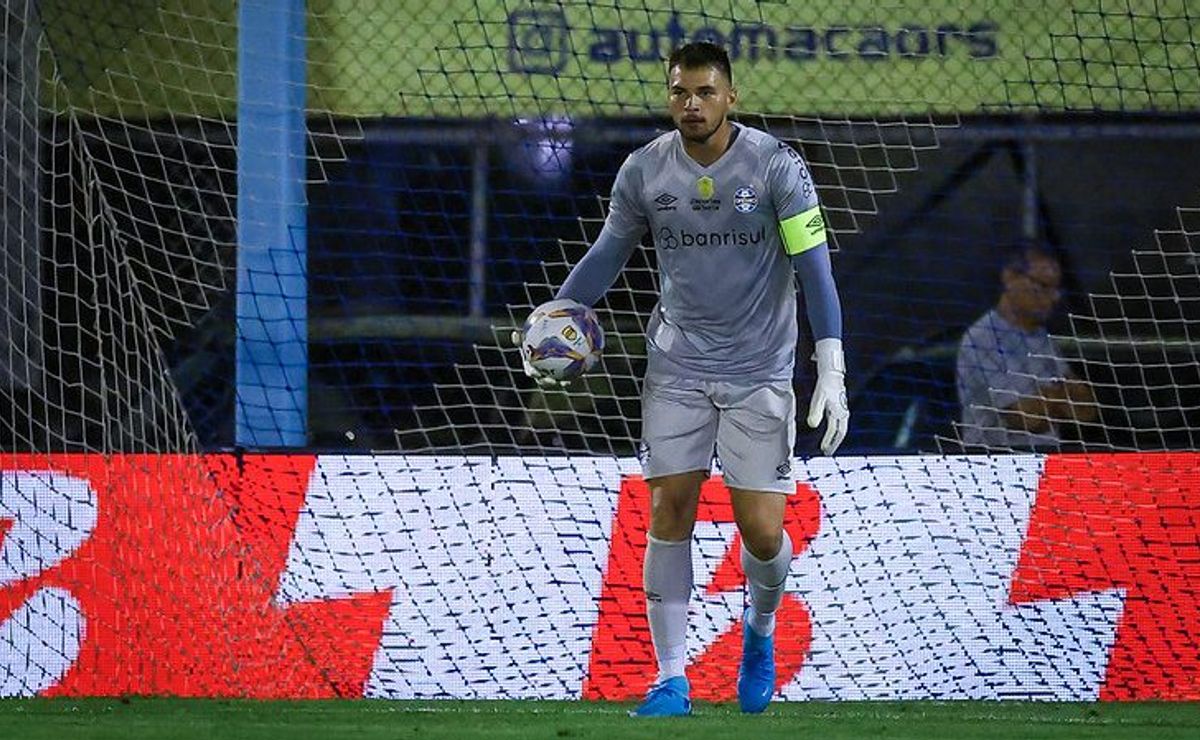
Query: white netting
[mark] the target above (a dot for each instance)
(1077, 69)
(459, 158)
(123, 179)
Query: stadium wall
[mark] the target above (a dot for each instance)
(1061, 577)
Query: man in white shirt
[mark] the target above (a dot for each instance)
(1013, 385)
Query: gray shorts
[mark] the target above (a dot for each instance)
(752, 428)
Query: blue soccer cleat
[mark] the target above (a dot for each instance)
(666, 699)
(756, 675)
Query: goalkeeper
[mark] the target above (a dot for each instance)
(733, 211)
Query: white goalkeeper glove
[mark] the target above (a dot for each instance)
(542, 379)
(829, 396)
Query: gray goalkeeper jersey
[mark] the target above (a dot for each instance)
(728, 303)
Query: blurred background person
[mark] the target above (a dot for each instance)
(1014, 387)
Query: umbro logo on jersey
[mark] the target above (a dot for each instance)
(665, 202)
(815, 224)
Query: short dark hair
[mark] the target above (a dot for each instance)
(1018, 256)
(701, 54)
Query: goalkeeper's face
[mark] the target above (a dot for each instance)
(699, 99)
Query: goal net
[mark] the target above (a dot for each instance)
(1053, 95)
(451, 529)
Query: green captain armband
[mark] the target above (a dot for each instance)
(803, 231)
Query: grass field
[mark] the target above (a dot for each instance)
(170, 719)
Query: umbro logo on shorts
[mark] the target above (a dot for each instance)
(784, 470)
(665, 202)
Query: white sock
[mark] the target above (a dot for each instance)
(767, 579)
(667, 577)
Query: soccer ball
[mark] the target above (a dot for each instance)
(562, 339)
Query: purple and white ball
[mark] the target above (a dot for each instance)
(562, 339)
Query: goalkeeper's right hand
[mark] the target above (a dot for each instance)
(542, 379)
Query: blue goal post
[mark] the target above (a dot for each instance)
(272, 292)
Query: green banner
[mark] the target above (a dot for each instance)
(791, 57)
(513, 58)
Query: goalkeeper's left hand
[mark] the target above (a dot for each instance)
(829, 396)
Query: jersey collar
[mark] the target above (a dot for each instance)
(738, 135)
